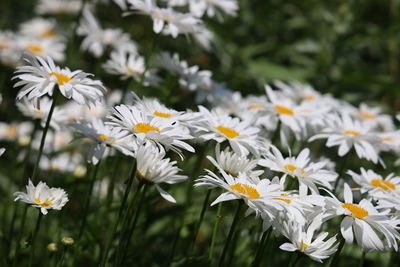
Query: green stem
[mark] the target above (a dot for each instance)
(296, 258)
(64, 252)
(132, 225)
(214, 232)
(203, 211)
(120, 212)
(34, 235)
(87, 204)
(361, 263)
(230, 234)
(261, 247)
(335, 260)
(20, 234)
(44, 134)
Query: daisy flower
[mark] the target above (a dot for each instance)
(64, 162)
(40, 76)
(40, 110)
(39, 28)
(53, 48)
(15, 131)
(241, 136)
(166, 20)
(261, 197)
(372, 182)
(97, 39)
(363, 221)
(105, 136)
(233, 164)
(303, 241)
(372, 116)
(154, 168)
(309, 174)
(213, 8)
(130, 65)
(57, 7)
(345, 132)
(43, 197)
(154, 129)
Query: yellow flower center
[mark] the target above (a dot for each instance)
(350, 132)
(309, 98)
(366, 115)
(284, 110)
(35, 49)
(385, 185)
(292, 168)
(228, 132)
(144, 128)
(244, 189)
(104, 137)
(38, 112)
(386, 139)
(61, 78)
(11, 131)
(161, 114)
(255, 106)
(356, 210)
(303, 245)
(47, 33)
(44, 204)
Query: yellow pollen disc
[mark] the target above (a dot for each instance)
(161, 114)
(11, 131)
(144, 128)
(255, 106)
(130, 71)
(385, 185)
(44, 204)
(284, 110)
(366, 115)
(292, 168)
(309, 98)
(38, 112)
(35, 49)
(104, 137)
(356, 210)
(303, 245)
(228, 132)
(350, 132)
(288, 201)
(61, 78)
(244, 189)
(47, 33)
(386, 139)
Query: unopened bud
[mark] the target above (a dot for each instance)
(52, 247)
(67, 241)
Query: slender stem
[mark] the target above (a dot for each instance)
(44, 134)
(203, 211)
(35, 232)
(335, 260)
(120, 212)
(133, 224)
(261, 247)
(20, 234)
(296, 258)
(230, 234)
(88, 197)
(174, 243)
(64, 252)
(361, 263)
(214, 232)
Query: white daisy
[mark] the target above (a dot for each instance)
(365, 220)
(15, 131)
(344, 132)
(241, 136)
(39, 28)
(154, 168)
(147, 129)
(372, 182)
(213, 8)
(41, 76)
(53, 48)
(303, 241)
(309, 174)
(105, 136)
(43, 197)
(58, 7)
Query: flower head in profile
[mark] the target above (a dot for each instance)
(364, 222)
(309, 174)
(40, 76)
(303, 240)
(153, 167)
(43, 197)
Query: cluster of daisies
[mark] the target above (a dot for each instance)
(295, 196)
